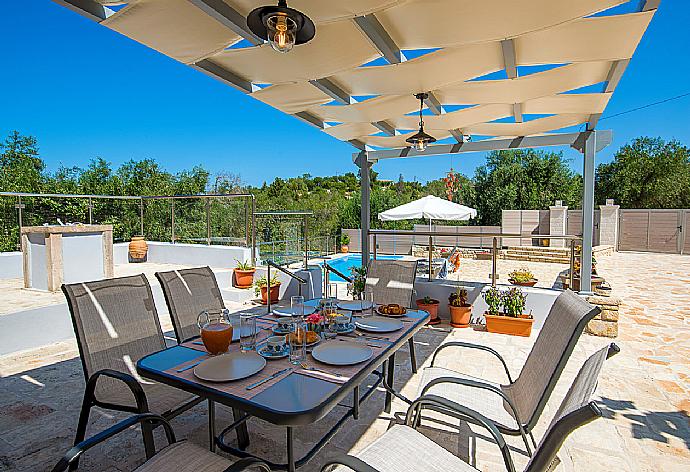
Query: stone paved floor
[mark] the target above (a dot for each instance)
(644, 391)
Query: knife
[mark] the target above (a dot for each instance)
(271, 377)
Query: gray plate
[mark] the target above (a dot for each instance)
(288, 311)
(378, 324)
(232, 366)
(342, 353)
(354, 305)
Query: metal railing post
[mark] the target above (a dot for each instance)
(253, 230)
(431, 256)
(306, 244)
(494, 261)
(141, 215)
(208, 221)
(172, 219)
(20, 206)
(375, 244)
(246, 223)
(268, 288)
(90, 211)
(572, 264)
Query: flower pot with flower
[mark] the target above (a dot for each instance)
(522, 277)
(430, 305)
(261, 288)
(460, 310)
(512, 319)
(344, 243)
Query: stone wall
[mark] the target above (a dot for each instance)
(605, 324)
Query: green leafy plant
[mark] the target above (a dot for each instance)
(244, 265)
(429, 301)
(493, 299)
(513, 302)
(262, 282)
(345, 239)
(359, 281)
(521, 275)
(458, 298)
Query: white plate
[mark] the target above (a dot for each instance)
(378, 324)
(354, 305)
(232, 366)
(288, 311)
(342, 353)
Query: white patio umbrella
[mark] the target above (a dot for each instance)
(431, 208)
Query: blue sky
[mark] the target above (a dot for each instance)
(85, 91)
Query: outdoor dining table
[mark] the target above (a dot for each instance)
(296, 398)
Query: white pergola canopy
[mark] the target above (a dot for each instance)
(464, 40)
(430, 207)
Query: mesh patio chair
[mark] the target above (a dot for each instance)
(116, 324)
(187, 293)
(403, 448)
(392, 281)
(516, 406)
(180, 456)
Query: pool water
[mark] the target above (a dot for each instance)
(345, 263)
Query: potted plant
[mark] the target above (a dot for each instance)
(344, 243)
(243, 274)
(260, 288)
(523, 278)
(512, 320)
(429, 305)
(359, 282)
(460, 310)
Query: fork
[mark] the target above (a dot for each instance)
(314, 369)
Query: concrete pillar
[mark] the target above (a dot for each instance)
(558, 223)
(608, 224)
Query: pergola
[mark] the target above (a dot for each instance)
(510, 72)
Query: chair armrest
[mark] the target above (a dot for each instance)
(248, 463)
(472, 346)
(434, 400)
(134, 386)
(76, 451)
(351, 462)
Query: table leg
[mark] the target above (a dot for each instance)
(413, 356)
(212, 425)
(242, 430)
(290, 451)
(389, 381)
(355, 403)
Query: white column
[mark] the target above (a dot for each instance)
(558, 219)
(365, 212)
(587, 212)
(608, 224)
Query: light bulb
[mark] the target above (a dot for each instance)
(281, 32)
(420, 145)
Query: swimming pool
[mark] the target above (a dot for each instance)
(345, 263)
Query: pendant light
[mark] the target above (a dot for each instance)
(281, 26)
(420, 139)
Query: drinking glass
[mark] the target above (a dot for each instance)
(368, 305)
(247, 331)
(298, 342)
(332, 291)
(297, 306)
(330, 313)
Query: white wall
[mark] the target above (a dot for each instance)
(197, 254)
(11, 265)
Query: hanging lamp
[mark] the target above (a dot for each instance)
(281, 26)
(420, 140)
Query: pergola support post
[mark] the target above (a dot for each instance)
(365, 212)
(590, 146)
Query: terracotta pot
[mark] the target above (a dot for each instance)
(244, 278)
(275, 293)
(432, 309)
(530, 283)
(138, 249)
(521, 326)
(460, 316)
(344, 248)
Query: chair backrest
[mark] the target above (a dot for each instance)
(392, 281)
(115, 321)
(557, 338)
(577, 409)
(187, 293)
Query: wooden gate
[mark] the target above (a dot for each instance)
(653, 231)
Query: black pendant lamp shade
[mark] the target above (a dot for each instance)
(281, 26)
(420, 139)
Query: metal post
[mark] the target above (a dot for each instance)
(365, 212)
(587, 213)
(141, 215)
(268, 288)
(431, 256)
(90, 211)
(246, 223)
(375, 246)
(208, 221)
(20, 207)
(494, 261)
(253, 231)
(306, 244)
(572, 263)
(172, 219)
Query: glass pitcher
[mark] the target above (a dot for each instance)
(216, 330)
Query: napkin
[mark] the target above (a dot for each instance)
(323, 376)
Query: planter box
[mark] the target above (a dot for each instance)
(530, 283)
(509, 325)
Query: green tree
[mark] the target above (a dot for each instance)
(647, 173)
